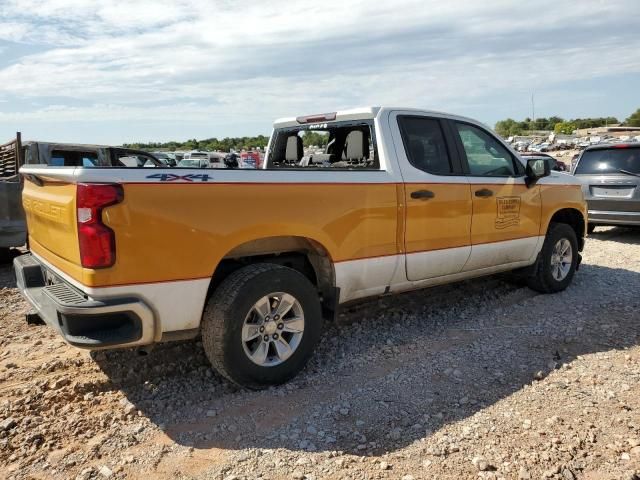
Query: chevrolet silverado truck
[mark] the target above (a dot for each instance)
(387, 200)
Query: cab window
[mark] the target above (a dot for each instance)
(486, 157)
(343, 145)
(424, 145)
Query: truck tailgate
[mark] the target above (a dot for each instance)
(50, 209)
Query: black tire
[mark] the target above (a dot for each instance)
(591, 227)
(542, 279)
(227, 309)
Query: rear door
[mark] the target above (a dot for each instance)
(436, 196)
(606, 186)
(506, 213)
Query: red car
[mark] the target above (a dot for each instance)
(250, 160)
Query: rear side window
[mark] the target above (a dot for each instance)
(486, 157)
(609, 161)
(424, 145)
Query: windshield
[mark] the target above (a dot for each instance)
(609, 161)
(198, 155)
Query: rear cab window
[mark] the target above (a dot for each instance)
(346, 145)
(609, 161)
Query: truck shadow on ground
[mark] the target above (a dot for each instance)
(390, 371)
(626, 235)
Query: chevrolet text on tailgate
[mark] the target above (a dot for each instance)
(389, 200)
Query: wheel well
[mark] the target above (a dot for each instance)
(574, 219)
(299, 253)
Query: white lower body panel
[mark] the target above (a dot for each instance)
(436, 263)
(488, 255)
(176, 305)
(375, 276)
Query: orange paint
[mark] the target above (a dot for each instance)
(182, 231)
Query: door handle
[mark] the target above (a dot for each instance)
(484, 193)
(423, 194)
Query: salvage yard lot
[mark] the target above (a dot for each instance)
(482, 378)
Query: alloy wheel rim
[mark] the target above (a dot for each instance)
(561, 259)
(273, 329)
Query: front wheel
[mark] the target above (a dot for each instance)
(557, 260)
(261, 325)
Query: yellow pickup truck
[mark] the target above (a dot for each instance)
(389, 200)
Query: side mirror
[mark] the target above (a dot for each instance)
(537, 168)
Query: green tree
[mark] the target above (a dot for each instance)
(634, 119)
(314, 138)
(508, 128)
(566, 128)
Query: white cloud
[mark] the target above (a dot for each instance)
(130, 60)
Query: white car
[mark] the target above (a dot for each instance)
(213, 159)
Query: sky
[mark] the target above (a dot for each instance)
(122, 71)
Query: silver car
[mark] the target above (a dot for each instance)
(610, 177)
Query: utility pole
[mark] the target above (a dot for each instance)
(533, 108)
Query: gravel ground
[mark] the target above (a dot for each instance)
(481, 379)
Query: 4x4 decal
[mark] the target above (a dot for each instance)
(172, 177)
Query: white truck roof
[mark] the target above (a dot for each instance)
(361, 113)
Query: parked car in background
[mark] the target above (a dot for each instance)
(193, 163)
(195, 154)
(250, 159)
(610, 178)
(214, 159)
(556, 164)
(166, 158)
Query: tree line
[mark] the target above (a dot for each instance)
(209, 144)
(510, 127)
(224, 145)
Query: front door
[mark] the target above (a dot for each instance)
(506, 213)
(437, 199)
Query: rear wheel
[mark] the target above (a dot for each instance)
(591, 227)
(261, 325)
(557, 260)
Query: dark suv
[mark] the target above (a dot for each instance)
(610, 177)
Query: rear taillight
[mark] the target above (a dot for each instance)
(97, 241)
